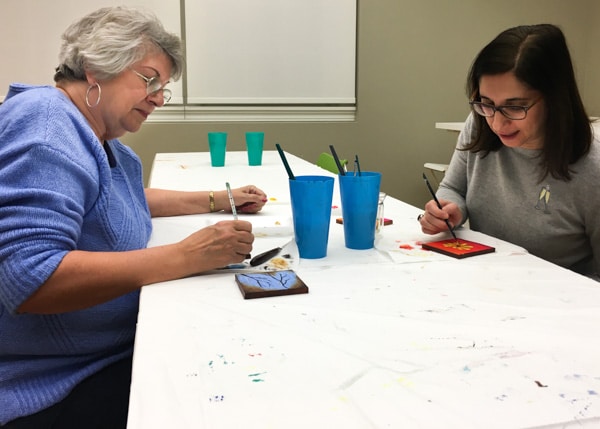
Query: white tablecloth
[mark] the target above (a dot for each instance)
(390, 337)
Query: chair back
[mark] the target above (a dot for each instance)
(327, 162)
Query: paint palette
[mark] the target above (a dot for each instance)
(281, 226)
(458, 248)
(273, 283)
(286, 259)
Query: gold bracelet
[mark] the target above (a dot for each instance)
(211, 201)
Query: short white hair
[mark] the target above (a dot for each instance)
(111, 39)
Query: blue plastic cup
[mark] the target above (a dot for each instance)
(311, 198)
(217, 144)
(360, 197)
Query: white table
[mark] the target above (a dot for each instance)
(450, 126)
(391, 337)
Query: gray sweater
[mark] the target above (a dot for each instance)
(501, 195)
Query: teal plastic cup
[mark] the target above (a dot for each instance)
(254, 146)
(311, 198)
(217, 144)
(360, 198)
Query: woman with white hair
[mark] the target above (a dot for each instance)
(75, 221)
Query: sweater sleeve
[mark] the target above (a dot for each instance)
(46, 187)
(586, 197)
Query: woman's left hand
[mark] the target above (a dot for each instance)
(248, 199)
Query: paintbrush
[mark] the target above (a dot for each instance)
(231, 201)
(439, 205)
(264, 257)
(233, 209)
(356, 165)
(337, 160)
(285, 162)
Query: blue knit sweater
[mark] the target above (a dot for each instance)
(60, 190)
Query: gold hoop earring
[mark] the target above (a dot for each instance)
(87, 94)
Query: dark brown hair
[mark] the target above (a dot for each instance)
(539, 57)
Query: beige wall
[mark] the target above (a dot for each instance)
(592, 62)
(413, 56)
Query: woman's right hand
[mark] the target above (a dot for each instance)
(226, 242)
(433, 220)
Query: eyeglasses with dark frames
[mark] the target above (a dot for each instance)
(153, 85)
(515, 113)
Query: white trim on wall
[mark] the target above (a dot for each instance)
(170, 114)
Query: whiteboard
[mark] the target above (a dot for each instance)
(271, 51)
(238, 52)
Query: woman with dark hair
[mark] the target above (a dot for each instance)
(527, 166)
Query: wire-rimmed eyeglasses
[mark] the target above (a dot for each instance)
(515, 113)
(153, 85)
